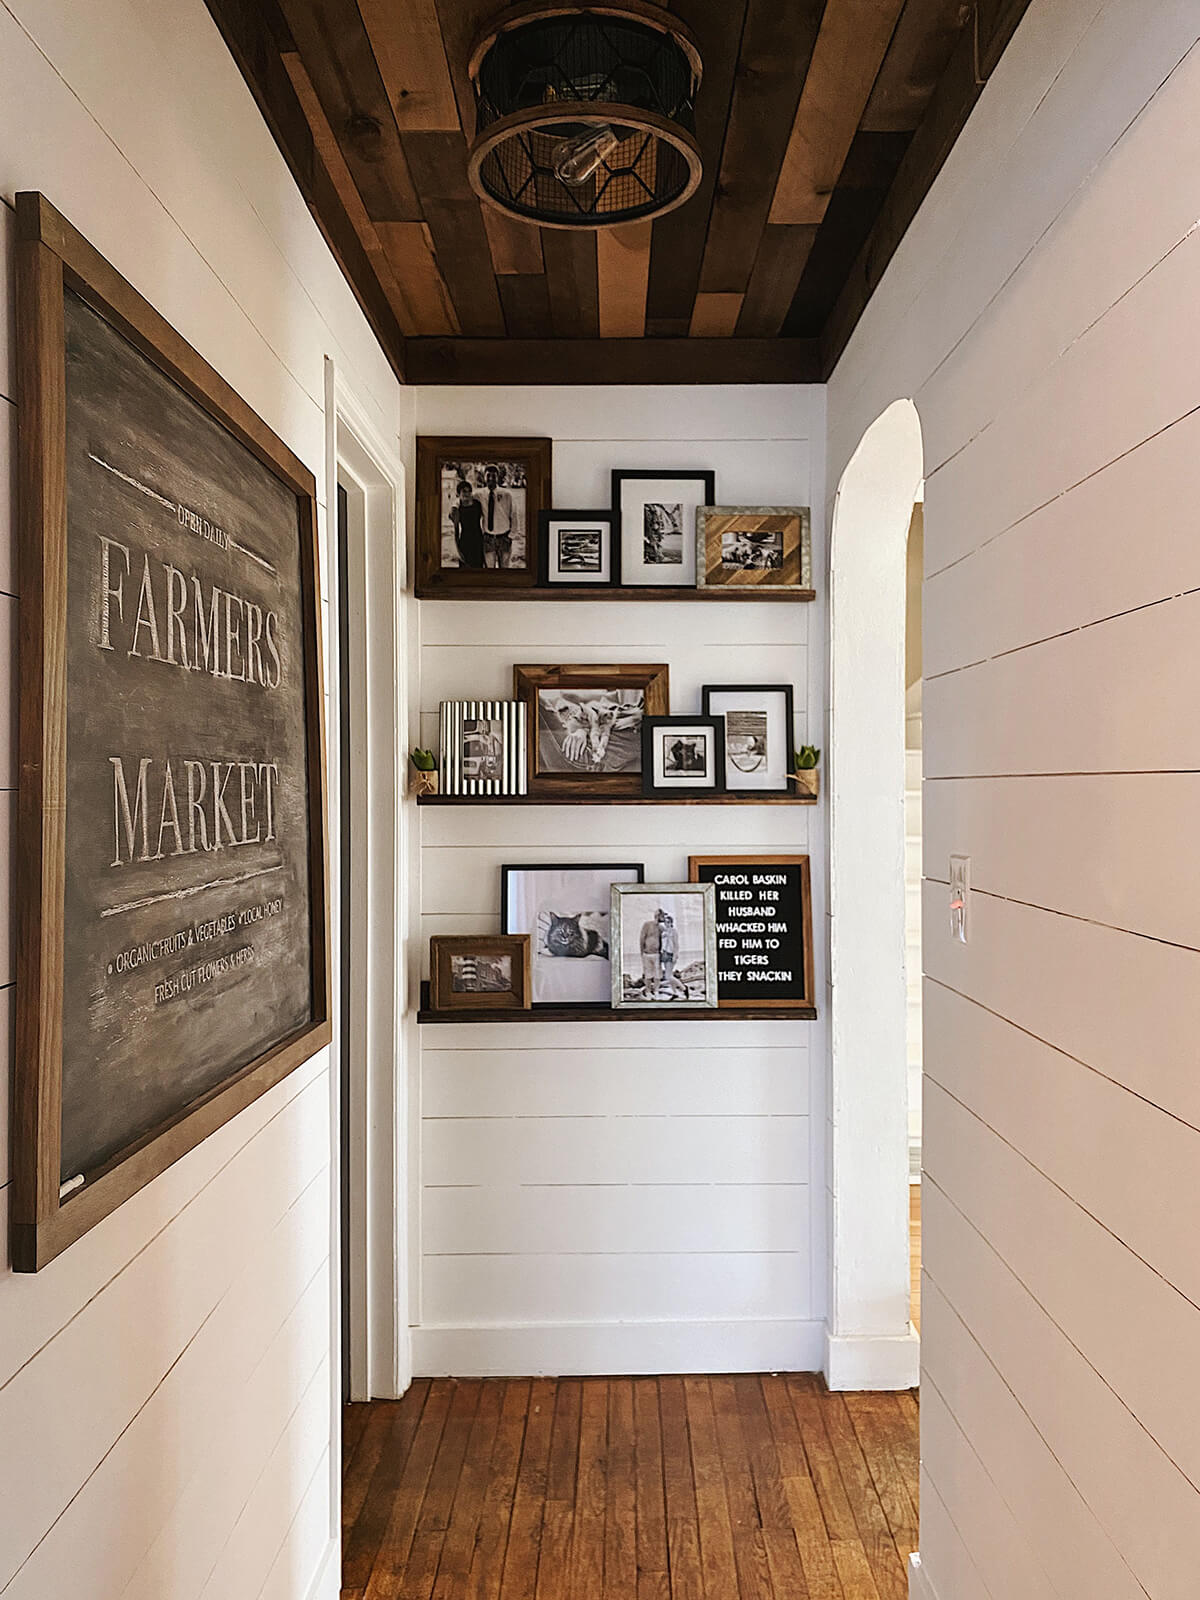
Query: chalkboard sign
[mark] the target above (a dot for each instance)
(764, 928)
(172, 828)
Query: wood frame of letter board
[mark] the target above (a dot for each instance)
(695, 862)
(52, 256)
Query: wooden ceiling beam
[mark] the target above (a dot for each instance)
(438, 162)
(623, 272)
(612, 361)
(679, 238)
(975, 57)
(423, 296)
(572, 279)
(783, 254)
(256, 36)
(715, 316)
(921, 47)
(777, 46)
(341, 63)
(849, 52)
(412, 62)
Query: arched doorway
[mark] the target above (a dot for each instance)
(871, 1342)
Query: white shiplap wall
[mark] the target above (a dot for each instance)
(627, 1196)
(167, 1386)
(1042, 313)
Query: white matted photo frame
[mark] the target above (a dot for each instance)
(683, 756)
(657, 520)
(754, 548)
(566, 909)
(578, 548)
(759, 724)
(664, 946)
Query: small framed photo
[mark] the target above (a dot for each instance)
(754, 547)
(683, 756)
(484, 747)
(479, 972)
(764, 929)
(567, 913)
(585, 726)
(657, 512)
(478, 504)
(759, 742)
(664, 946)
(578, 547)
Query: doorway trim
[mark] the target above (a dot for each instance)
(870, 1342)
(373, 850)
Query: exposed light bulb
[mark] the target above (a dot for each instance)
(580, 157)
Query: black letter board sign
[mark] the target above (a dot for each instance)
(764, 929)
(171, 848)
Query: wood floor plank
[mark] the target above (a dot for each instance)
(683, 1523)
(591, 1486)
(365, 1535)
(620, 1526)
(712, 1504)
(874, 1529)
(495, 1517)
(752, 1487)
(650, 1488)
(519, 1581)
(459, 1548)
(355, 1416)
(735, 1459)
(401, 1508)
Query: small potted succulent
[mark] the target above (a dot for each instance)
(806, 777)
(424, 776)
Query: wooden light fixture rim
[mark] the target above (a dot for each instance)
(639, 11)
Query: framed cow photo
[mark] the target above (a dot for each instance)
(585, 726)
(172, 959)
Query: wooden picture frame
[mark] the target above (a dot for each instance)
(451, 560)
(91, 349)
(796, 903)
(752, 549)
(481, 955)
(682, 493)
(704, 731)
(594, 746)
(552, 574)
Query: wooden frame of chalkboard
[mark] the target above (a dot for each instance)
(752, 871)
(62, 280)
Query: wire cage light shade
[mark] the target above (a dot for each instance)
(585, 114)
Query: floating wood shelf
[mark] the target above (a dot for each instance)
(599, 591)
(605, 1014)
(614, 800)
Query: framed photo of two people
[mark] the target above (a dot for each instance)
(478, 506)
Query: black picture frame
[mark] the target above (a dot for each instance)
(603, 869)
(706, 495)
(608, 518)
(683, 791)
(709, 690)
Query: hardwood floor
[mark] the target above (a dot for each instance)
(739, 1488)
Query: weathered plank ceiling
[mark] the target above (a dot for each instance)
(822, 122)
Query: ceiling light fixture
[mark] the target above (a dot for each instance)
(585, 113)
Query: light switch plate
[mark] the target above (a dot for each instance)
(960, 897)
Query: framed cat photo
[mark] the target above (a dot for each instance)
(585, 726)
(478, 505)
(566, 911)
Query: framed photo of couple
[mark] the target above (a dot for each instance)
(478, 506)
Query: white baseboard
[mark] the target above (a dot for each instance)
(919, 1586)
(327, 1585)
(605, 1348)
(866, 1361)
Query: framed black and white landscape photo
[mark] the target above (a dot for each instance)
(479, 972)
(664, 939)
(578, 547)
(585, 726)
(567, 912)
(683, 756)
(478, 505)
(657, 526)
(759, 741)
